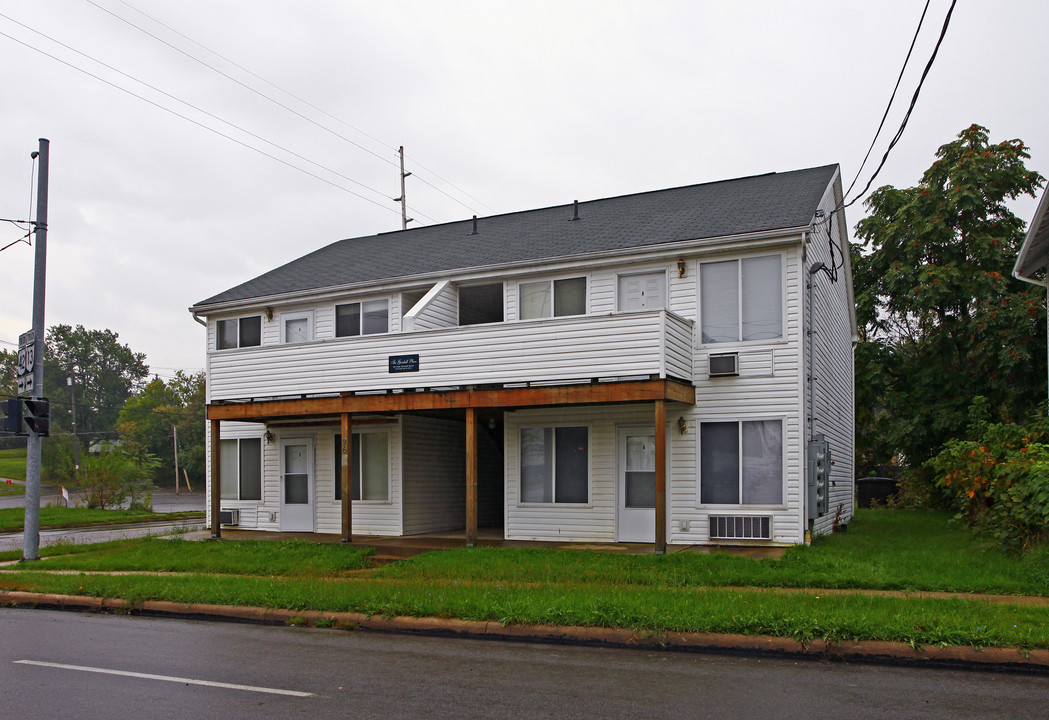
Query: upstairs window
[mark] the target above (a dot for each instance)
(742, 300)
(242, 332)
(370, 466)
(480, 304)
(370, 317)
(552, 298)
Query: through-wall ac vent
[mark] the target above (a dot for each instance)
(740, 527)
(724, 364)
(229, 517)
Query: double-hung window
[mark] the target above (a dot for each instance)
(362, 318)
(555, 464)
(742, 299)
(238, 332)
(552, 298)
(741, 463)
(370, 466)
(240, 468)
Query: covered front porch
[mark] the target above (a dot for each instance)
(473, 405)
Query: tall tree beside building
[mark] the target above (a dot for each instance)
(105, 374)
(942, 319)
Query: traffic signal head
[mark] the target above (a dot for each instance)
(37, 415)
(13, 411)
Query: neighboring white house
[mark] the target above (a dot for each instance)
(666, 367)
(1032, 262)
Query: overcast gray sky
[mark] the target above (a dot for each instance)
(501, 106)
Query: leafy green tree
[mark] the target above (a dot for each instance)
(942, 319)
(105, 374)
(147, 423)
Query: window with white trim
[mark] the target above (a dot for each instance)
(555, 464)
(296, 327)
(370, 317)
(741, 463)
(240, 469)
(552, 298)
(238, 332)
(369, 466)
(741, 300)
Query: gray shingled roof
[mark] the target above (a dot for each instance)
(729, 207)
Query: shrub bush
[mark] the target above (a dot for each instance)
(999, 483)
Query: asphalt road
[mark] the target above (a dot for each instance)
(61, 665)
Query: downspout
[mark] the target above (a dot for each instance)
(197, 318)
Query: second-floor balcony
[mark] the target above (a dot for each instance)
(654, 343)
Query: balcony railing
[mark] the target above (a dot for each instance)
(654, 343)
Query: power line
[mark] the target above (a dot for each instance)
(198, 123)
(293, 96)
(891, 98)
(195, 107)
(914, 100)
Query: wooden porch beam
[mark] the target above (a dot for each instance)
(346, 468)
(661, 476)
(582, 394)
(216, 480)
(471, 477)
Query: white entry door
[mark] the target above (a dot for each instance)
(636, 486)
(296, 485)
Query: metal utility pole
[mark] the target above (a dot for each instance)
(402, 199)
(174, 430)
(76, 438)
(31, 534)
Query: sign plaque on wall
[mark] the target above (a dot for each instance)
(404, 363)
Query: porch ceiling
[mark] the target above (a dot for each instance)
(581, 394)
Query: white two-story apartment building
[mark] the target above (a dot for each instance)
(668, 367)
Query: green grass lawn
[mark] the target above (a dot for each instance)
(883, 549)
(12, 519)
(12, 464)
(683, 591)
(11, 489)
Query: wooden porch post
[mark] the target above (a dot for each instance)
(346, 454)
(661, 477)
(216, 480)
(471, 477)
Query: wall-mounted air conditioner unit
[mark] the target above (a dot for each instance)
(723, 365)
(229, 517)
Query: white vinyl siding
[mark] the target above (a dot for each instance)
(770, 385)
(832, 367)
(551, 350)
(593, 521)
(434, 475)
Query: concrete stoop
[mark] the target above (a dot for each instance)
(874, 652)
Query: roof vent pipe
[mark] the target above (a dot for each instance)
(474, 232)
(575, 210)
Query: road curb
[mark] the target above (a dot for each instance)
(875, 652)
